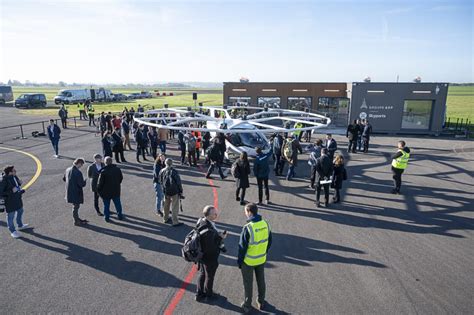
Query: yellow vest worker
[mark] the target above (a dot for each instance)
(255, 240)
(399, 164)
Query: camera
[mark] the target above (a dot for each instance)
(182, 197)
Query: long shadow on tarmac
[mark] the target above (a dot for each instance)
(114, 264)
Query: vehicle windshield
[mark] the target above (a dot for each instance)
(64, 93)
(251, 140)
(24, 96)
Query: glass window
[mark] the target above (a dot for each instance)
(270, 102)
(299, 103)
(417, 114)
(239, 100)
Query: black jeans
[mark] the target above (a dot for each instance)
(183, 154)
(240, 191)
(366, 144)
(397, 178)
(91, 120)
(278, 166)
(352, 145)
(217, 165)
(261, 182)
(117, 153)
(326, 191)
(192, 155)
(96, 201)
(140, 150)
(154, 149)
(337, 194)
(206, 277)
(247, 276)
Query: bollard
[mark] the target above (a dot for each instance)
(457, 123)
(75, 126)
(449, 120)
(44, 130)
(21, 129)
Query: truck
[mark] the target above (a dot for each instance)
(82, 95)
(6, 94)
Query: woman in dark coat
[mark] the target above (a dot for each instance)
(241, 171)
(339, 174)
(74, 189)
(106, 144)
(12, 192)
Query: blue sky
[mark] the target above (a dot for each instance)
(115, 41)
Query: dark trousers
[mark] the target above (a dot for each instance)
(140, 150)
(64, 122)
(263, 182)
(352, 145)
(206, 278)
(215, 165)
(312, 178)
(163, 147)
(117, 153)
(240, 191)
(397, 178)
(359, 143)
(366, 144)
(96, 201)
(337, 194)
(247, 276)
(75, 212)
(154, 149)
(278, 166)
(192, 155)
(117, 204)
(91, 120)
(55, 144)
(326, 191)
(183, 154)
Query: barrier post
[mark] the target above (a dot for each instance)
(44, 130)
(21, 130)
(75, 126)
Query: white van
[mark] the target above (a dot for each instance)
(72, 96)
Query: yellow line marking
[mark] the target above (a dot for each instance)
(39, 166)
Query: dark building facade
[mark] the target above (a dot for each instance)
(414, 108)
(390, 107)
(327, 98)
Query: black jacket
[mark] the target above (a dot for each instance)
(141, 138)
(210, 240)
(93, 174)
(110, 180)
(323, 168)
(118, 145)
(175, 179)
(13, 200)
(243, 171)
(339, 174)
(367, 131)
(352, 132)
(106, 146)
(215, 152)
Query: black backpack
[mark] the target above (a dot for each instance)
(170, 186)
(192, 250)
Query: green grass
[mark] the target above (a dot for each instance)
(182, 97)
(460, 103)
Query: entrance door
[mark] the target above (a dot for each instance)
(336, 108)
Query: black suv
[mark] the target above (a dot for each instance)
(31, 101)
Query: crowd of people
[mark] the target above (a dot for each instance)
(327, 170)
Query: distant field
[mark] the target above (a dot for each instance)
(182, 97)
(460, 103)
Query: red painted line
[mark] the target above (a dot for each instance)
(189, 277)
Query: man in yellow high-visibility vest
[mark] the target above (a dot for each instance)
(255, 240)
(399, 164)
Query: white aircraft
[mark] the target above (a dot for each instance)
(245, 127)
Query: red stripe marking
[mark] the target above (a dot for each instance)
(189, 277)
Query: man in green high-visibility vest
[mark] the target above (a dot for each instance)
(255, 240)
(399, 164)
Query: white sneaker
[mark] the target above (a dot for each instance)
(16, 234)
(24, 226)
(56, 156)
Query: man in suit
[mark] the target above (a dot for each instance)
(75, 182)
(93, 172)
(141, 139)
(63, 115)
(352, 133)
(366, 135)
(322, 171)
(331, 146)
(54, 133)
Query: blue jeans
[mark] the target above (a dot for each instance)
(117, 204)
(159, 196)
(55, 144)
(291, 171)
(163, 147)
(11, 216)
(359, 143)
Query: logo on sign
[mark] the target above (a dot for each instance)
(363, 115)
(364, 104)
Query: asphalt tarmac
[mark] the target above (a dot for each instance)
(375, 253)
